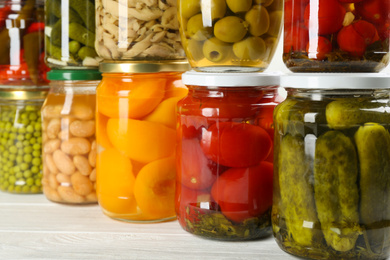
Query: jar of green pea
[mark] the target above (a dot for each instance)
(21, 139)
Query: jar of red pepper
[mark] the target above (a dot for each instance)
(22, 43)
(336, 35)
(225, 154)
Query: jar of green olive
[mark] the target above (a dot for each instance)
(21, 139)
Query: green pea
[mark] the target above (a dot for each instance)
(37, 147)
(36, 153)
(24, 167)
(27, 158)
(12, 179)
(11, 188)
(38, 182)
(35, 189)
(36, 161)
(30, 181)
(28, 149)
(13, 149)
(34, 169)
(33, 116)
(25, 189)
(33, 140)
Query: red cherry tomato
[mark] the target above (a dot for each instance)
(355, 37)
(191, 126)
(374, 11)
(195, 170)
(243, 193)
(265, 119)
(293, 12)
(4, 12)
(188, 197)
(318, 48)
(328, 19)
(236, 144)
(295, 39)
(35, 27)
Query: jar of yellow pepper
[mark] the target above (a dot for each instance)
(136, 138)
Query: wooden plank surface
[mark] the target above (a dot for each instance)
(31, 227)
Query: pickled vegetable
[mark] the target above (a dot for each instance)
(243, 26)
(20, 147)
(297, 191)
(336, 172)
(22, 44)
(71, 39)
(345, 36)
(373, 146)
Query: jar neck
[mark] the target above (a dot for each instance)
(318, 94)
(224, 92)
(74, 87)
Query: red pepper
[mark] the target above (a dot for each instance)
(35, 27)
(374, 11)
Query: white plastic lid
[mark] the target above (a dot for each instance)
(238, 79)
(336, 80)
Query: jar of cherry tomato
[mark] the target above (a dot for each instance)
(136, 138)
(225, 155)
(331, 177)
(336, 35)
(21, 139)
(69, 143)
(22, 43)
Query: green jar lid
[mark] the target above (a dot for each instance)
(74, 75)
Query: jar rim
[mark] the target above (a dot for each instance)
(144, 67)
(335, 81)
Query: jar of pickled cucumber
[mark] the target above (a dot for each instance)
(21, 139)
(230, 35)
(331, 176)
(22, 43)
(225, 154)
(136, 138)
(138, 31)
(69, 143)
(70, 34)
(336, 35)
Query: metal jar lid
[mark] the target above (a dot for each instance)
(336, 81)
(23, 92)
(144, 67)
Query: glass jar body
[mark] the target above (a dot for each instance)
(225, 162)
(230, 36)
(330, 179)
(21, 145)
(136, 138)
(336, 36)
(69, 145)
(133, 31)
(70, 43)
(22, 43)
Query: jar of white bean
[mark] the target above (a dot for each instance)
(68, 137)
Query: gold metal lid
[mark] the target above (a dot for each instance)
(23, 92)
(144, 67)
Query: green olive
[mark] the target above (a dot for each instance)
(272, 44)
(189, 8)
(230, 29)
(264, 2)
(251, 48)
(275, 23)
(196, 30)
(258, 20)
(217, 51)
(17, 144)
(239, 6)
(277, 5)
(195, 50)
(215, 8)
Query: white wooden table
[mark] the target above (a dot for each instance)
(31, 227)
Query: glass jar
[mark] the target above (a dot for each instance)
(69, 143)
(136, 138)
(331, 179)
(225, 155)
(231, 35)
(22, 43)
(21, 139)
(336, 35)
(138, 31)
(70, 34)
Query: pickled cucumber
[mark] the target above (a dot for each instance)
(336, 191)
(282, 114)
(81, 34)
(56, 34)
(86, 11)
(86, 52)
(54, 7)
(297, 201)
(373, 146)
(346, 113)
